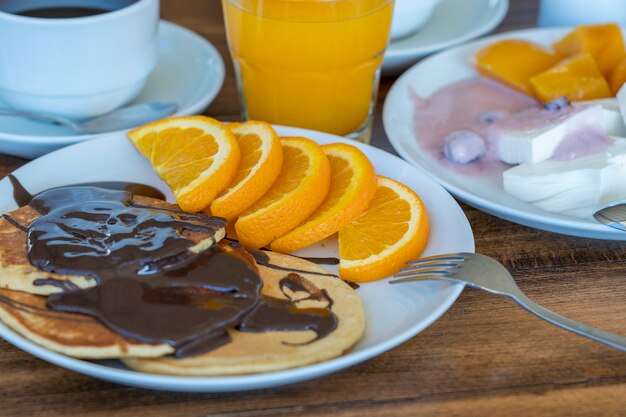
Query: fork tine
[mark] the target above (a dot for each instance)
(413, 278)
(424, 272)
(419, 267)
(437, 258)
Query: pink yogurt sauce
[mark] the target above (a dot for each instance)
(584, 140)
(461, 106)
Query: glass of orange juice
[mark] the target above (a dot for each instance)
(309, 63)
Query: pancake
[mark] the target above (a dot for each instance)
(17, 273)
(74, 335)
(303, 315)
(272, 351)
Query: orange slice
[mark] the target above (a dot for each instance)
(300, 188)
(353, 183)
(195, 155)
(391, 231)
(261, 160)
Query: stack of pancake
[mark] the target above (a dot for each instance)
(24, 289)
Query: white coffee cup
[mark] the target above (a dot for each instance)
(76, 67)
(580, 12)
(409, 16)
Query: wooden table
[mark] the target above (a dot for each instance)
(485, 356)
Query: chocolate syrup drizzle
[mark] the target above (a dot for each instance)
(262, 258)
(15, 223)
(151, 287)
(40, 312)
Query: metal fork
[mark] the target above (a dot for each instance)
(480, 271)
(614, 216)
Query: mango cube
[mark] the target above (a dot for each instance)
(513, 62)
(618, 77)
(604, 42)
(576, 77)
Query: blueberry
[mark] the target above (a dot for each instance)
(464, 146)
(491, 116)
(557, 105)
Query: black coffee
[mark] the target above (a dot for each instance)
(62, 9)
(62, 12)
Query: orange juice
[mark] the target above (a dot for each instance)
(309, 63)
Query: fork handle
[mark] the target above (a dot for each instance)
(611, 339)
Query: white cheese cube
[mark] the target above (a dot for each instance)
(575, 188)
(611, 115)
(621, 101)
(534, 135)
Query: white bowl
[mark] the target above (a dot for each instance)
(409, 16)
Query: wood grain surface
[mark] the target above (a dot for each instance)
(484, 357)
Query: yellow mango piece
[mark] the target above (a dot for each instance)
(604, 42)
(513, 62)
(618, 77)
(576, 77)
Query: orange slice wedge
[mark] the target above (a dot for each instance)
(353, 183)
(391, 231)
(195, 155)
(261, 161)
(300, 188)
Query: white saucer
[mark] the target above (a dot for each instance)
(453, 22)
(189, 72)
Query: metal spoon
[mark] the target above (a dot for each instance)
(124, 118)
(613, 216)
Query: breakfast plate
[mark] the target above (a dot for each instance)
(394, 313)
(453, 22)
(189, 72)
(484, 193)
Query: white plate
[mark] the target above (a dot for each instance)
(453, 22)
(394, 313)
(485, 193)
(189, 72)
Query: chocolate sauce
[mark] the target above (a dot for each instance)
(38, 311)
(321, 261)
(132, 187)
(64, 285)
(20, 194)
(295, 283)
(263, 259)
(151, 287)
(15, 223)
(22, 197)
(352, 285)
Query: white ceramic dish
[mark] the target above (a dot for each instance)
(409, 16)
(394, 313)
(484, 193)
(452, 23)
(78, 67)
(189, 72)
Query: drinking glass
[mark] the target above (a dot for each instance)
(309, 63)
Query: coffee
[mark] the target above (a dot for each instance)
(62, 9)
(62, 12)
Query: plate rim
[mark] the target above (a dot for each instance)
(500, 9)
(249, 381)
(563, 224)
(398, 59)
(195, 107)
